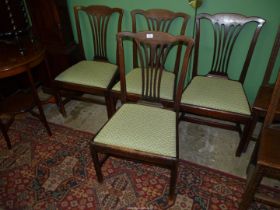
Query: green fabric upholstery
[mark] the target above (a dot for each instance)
(142, 128)
(90, 73)
(134, 83)
(216, 93)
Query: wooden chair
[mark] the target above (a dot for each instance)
(268, 156)
(153, 20)
(260, 106)
(144, 131)
(215, 95)
(92, 77)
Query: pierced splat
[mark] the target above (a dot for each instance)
(152, 57)
(153, 49)
(159, 20)
(227, 28)
(98, 17)
(224, 39)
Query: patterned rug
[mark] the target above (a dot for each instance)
(56, 172)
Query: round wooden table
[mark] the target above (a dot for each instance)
(13, 62)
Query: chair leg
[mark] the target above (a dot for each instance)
(251, 188)
(254, 155)
(245, 139)
(59, 103)
(114, 104)
(5, 134)
(251, 129)
(96, 163)
(109, 105)
(255, 118)
(173, 179)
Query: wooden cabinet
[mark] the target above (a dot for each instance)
(51, 24)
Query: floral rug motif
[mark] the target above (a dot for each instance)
(42, 172)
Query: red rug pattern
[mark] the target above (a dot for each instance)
(56, 172)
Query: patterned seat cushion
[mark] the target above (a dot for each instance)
(142, 128)
(90, 73)
(134, 83)
(216, 93)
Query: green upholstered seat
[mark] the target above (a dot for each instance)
(89, 73)
(134, 83)
(142, 128)
(216, 93)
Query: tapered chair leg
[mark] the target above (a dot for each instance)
(114, 104)
(250, 131)
(96, 163)
(245, 139)
(109, 103)
(59, 103)
(255, 118)
(173, 179)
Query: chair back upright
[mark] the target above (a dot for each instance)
(272, 59)
(159, 20)
(153, 48)
(226, 29)
(274, 103)
(98, 17)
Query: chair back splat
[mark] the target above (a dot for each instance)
(226, 28)
(153, 49)
(159, 20)
(141, 131)
(215, 96)
(98, 17)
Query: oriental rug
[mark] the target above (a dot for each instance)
(42, 172)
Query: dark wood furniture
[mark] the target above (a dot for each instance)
(262, 100)
(13, 63)
(140, 131)
(154, 20)
(215, 95)
(51, 25)
(96, 76)
(14, 25)
(268, 156)
(14, 20)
